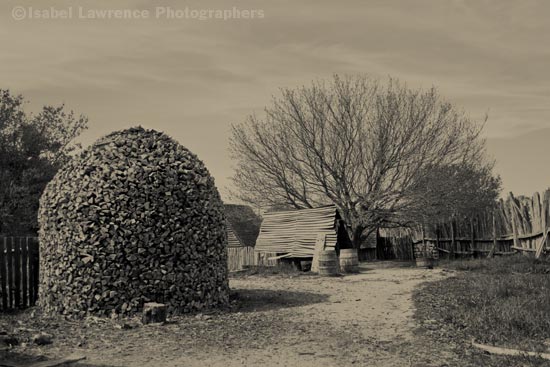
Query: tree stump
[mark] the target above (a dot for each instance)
(153, 312)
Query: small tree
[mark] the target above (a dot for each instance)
(365, 146)
(455, 191)
(32, 148)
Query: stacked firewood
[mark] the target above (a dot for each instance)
(135, 218)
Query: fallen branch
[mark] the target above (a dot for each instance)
(510, 352)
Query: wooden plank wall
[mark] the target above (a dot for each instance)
(19, 272)
(240, 257)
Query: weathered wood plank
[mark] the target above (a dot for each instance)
(524, 249)
(24, 270)
(3, 273)
(17, 271)
(30, 271)
(36, 268)
(9, 257)
(541, 245)
(453, 239)
(494, 247)
(472, 235)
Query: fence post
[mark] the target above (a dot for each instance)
(24, 269)
(453, 240)
(515, 213)
(514, 228)
(494, 248)
(472, 238)
(3, 273)
(437, 238)
(36, 269)
(424, 246)
(9, 257)
(17, 271)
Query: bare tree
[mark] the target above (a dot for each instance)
(355, 142)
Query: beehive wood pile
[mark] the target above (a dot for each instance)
(135, 218)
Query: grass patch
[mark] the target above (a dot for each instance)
(501, 265)
(502, 301)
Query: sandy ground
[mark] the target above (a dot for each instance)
(375, 308)
(364, 319)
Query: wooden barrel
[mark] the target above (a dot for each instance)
(349, 261)
(328, 263)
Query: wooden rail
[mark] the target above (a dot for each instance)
(517, 224)
(534, 243)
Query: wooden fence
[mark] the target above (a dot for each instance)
(241, 257)
(516, 225)
(19, 271)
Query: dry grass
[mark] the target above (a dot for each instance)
(502, 301)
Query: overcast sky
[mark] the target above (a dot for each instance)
(193, 78)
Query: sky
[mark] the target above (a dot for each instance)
(193, 78)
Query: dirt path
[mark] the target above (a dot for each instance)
(369, 316)
(364, 320)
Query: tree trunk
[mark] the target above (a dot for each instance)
(356, 236)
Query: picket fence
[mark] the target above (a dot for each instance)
(19, 272)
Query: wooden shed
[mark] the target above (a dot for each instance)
(240, 256)
(294, 233)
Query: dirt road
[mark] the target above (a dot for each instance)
(363, 320)
(366, 319)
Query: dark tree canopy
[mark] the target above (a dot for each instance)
(32, 148)
(366, 146)
(454, 191)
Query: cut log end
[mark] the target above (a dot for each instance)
(153, 313)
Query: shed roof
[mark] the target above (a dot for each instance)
(233, 239)
(295, 232)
